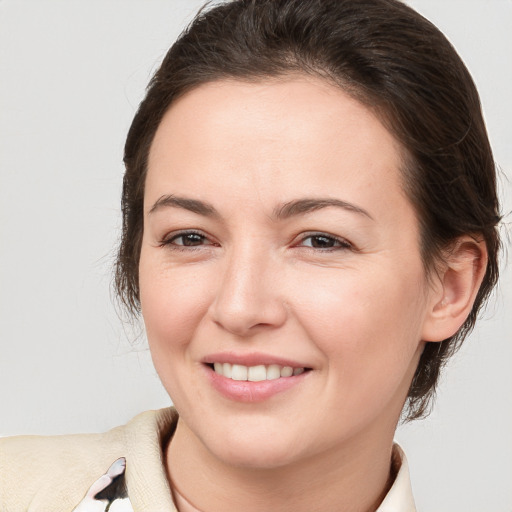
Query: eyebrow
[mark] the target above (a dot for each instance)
(284, 211)
(307, 205)
(193, 205)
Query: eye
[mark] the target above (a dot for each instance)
(324, 241)
(186, 239)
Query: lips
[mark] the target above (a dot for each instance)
(256, 373)
(253, 377)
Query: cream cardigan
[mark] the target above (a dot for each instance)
(53, 474)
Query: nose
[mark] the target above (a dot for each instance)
(249, 297)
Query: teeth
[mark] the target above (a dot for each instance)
(226, 370)
(273, 372)
(255, 373)
(286, 371)
(239, 372)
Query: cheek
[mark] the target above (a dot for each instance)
(367, 326)
(173, 303)
(173, 306)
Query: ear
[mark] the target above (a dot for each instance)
(458, 281)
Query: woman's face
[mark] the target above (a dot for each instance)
(276, 236)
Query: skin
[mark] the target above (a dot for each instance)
(354, 306)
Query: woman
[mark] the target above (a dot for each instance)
(309, 215)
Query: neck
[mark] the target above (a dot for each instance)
(355, 477)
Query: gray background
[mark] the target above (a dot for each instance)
(71, 76)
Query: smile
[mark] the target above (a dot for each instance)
(257, 373)
(259, 379)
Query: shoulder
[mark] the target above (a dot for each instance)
(33, 467)
(54, 472)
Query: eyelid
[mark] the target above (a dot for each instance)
(341, 242)
(344, 244)
(168, 239)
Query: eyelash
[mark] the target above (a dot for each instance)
(342, 244)
(338, 243)
(169, 241)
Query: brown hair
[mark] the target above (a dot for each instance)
(385, 55)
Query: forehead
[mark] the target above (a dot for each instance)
(276, 136)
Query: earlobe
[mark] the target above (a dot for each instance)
(463, 269)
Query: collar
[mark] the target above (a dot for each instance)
(146, 480)
(399, 498)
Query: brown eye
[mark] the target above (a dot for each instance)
(188, 239)
(323, 241)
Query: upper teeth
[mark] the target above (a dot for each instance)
(255, 373)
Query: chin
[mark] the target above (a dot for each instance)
(252, 455)
(252, 448)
